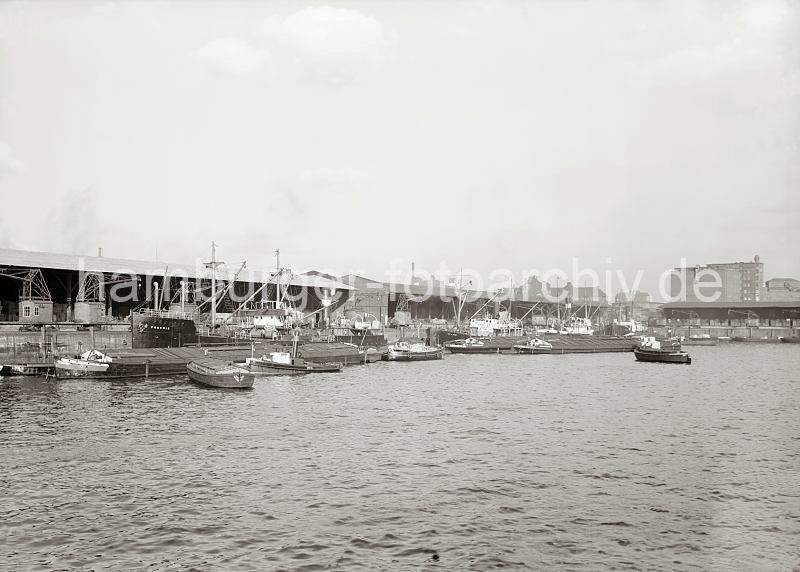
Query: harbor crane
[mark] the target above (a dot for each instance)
(34, 288)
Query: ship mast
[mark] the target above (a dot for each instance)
(213, 285)
(213, 266)
(278, 277)
(459, 295)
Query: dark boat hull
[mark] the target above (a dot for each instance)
(565, 344)
(40, 369)
(700, 342)
(532, 351)
(152, 331)
(662, 356)
(323, 352)
(441, 337)
(367, 339)
(790, 339)
(474, 350)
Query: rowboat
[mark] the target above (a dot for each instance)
(219, 373)
(404, 351)
(282, 363)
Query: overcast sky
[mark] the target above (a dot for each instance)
(481, 135)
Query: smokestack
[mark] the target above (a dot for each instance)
(100, 252)
(412, 271)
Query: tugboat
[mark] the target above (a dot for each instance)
(403, 351)
(218, 373)
(534, 346)
(652, 351)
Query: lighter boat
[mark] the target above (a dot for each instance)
(219, 373)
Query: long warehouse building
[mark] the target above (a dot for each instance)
(43, 287)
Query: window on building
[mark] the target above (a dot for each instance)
(36, 310)
(26, 311)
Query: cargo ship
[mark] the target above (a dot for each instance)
(161, 329)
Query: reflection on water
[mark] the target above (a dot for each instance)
(473, 462)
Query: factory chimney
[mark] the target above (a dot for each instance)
(100, 252)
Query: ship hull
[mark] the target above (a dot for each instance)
(271, 368)
(41, 369)
(700, 342)
(154, 331)
(532, 351)
(474, 350)
(219, 376)
(413, 356)
(662, 356)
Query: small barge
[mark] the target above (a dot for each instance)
(217, 373)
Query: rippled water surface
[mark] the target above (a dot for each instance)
(474, 462)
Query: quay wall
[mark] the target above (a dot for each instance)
(17, 347)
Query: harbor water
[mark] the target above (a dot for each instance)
(586, 462)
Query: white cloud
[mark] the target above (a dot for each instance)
(336, 43)
(229, 55)
(8, 163)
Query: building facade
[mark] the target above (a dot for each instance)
(719, 282)
(782, 290)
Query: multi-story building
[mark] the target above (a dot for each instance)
(782, 289)
(722, 282)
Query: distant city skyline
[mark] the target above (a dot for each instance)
(483, 135)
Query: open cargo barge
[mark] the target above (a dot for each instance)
(562, 344)
(148, 362)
